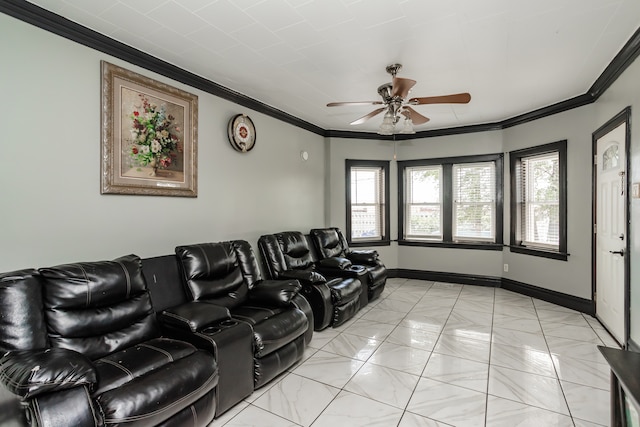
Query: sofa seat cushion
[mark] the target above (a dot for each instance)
(160, 393)
(121, 367)
(344, 290)
(274, 328)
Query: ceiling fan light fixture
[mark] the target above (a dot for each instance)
(388, 124)
(407, 127)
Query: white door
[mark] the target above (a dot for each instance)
(611, 239)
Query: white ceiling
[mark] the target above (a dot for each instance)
(513, 56)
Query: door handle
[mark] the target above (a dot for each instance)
(620, 252)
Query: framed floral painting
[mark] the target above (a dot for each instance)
(149, 135)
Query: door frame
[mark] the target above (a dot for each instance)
(622, 117)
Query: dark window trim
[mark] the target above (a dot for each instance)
(514, 157)
(447, 208)
(384, 164)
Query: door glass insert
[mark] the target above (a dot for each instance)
(610, 158)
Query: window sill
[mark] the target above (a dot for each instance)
(561, 256)
(452, 245)
(362, 243)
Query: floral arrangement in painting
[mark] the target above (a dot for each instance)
(154, 133)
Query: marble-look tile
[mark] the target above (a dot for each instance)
(227, 416)
(370, 329)
(579, 333)
(424, 323)
(522, 359)
(508, 309)
(503, 297)
(462, 316)
(308, 352)
(383, 316)
(321, 338)
(407, 294)
(436, 313)
(587, 403)
(583, 372)
(383, 384)
(606, 338)
(568, 318)
(575, 349)
(518, 338)
(583, 423)
(405, 359)
(253, 416)
(447, 285)
(412, 337)
(463, 347)
(517, 323)
(352, 346)
(507, 413)
(544, 305)
(535, 390)
(297, 399)
(394, 282)
(448, 403)
(474, 305)
(329, 368)
(396, 305)
(436, 301)
(457, 371)
(469, 330)
(418, 284)
(409, 419)
(349, 409)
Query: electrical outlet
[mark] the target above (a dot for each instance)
(506, 268)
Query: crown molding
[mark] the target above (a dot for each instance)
(49, 21)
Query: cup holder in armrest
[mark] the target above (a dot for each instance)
(228, 323)
(210, 330)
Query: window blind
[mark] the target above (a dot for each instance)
(539, 200)
(367, 202)
(424, 202)
(474, 202)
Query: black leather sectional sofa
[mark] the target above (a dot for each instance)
(170, 341)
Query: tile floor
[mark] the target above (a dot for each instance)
(438, 354)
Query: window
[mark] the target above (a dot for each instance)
(452, 201)
(424, 202)
(538, 200)
(367, 184)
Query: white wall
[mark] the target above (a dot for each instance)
(51, 207)
(573, 276)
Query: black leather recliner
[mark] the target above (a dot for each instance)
(82, 348)
(330, 243)
(227, 275)
(288, 255)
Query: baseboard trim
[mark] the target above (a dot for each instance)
(633, 346)
(439, 276)
(565, 300)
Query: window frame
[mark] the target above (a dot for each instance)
(447, 202)
(515, 241)
(385, 211)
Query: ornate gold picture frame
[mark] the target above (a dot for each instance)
(148, 136)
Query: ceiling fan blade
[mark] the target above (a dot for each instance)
(337, 104)
(401, 87)
(368, 116)
(457, 98)
(416, 118)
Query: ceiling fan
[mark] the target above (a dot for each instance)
(393, 98)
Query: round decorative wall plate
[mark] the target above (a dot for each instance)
(242, 133)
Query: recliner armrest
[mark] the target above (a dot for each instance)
(304, 276)
(275, 292)
(29, 373)
(364, 256)
(193, 316)
(339, 263)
